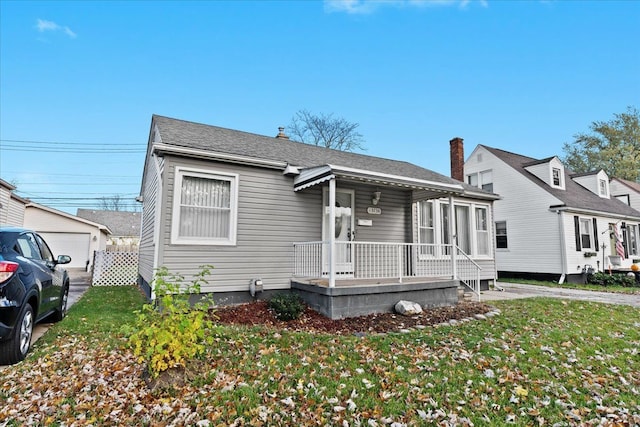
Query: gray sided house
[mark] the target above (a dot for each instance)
(551, 221)
(350, 233)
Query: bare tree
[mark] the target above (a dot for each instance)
(113, 203)
(325, 130)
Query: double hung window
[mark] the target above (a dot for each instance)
(204, 208)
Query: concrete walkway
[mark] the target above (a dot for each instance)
(517, 290)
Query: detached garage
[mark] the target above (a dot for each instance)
(67, 234)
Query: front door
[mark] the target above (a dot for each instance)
(344, 233)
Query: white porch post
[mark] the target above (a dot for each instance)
(454, 247)
(332, 233)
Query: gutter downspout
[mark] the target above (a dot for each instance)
(332, 233)
(156, 226)
(563, 247)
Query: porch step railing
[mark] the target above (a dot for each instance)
(375, 260)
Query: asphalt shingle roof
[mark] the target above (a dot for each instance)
(574, 196)
(121, 223)
(216, 139)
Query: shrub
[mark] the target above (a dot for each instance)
(286, 306)
(170, 331)
(604, 279)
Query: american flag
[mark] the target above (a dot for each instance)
(619, 246)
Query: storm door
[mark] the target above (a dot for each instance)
(344, 233)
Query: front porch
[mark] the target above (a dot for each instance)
(344, 279)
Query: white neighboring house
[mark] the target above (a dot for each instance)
(627, 192)
(11, 206)
(67, 234)
(550, 221)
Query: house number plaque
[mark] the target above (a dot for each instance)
(374, 211)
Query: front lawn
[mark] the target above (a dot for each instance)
(541, 362)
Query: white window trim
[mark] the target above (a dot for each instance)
(479, 175)
(589, 225)
(603, 188)
(473, 232)
(233, 178)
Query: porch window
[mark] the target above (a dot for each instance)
(634, 239)
(426, 229)
(585, 233)
(204, 208)
(462, 228)
(482, 232)
(501, 235)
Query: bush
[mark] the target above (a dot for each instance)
(170, 331)
(286, 306)
(604, 279)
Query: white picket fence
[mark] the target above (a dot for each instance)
(114, 268)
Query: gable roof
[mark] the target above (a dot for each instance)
(199, 139)
(632, 185)
(574, 196)
(121, 223)
(103, 228)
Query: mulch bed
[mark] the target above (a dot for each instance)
(258, 313)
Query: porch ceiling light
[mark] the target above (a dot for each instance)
(376, 197)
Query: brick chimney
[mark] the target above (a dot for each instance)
(281, 134)
(457, 158)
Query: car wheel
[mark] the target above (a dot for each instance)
(16, 348)
(61, 311)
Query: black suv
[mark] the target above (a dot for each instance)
(32, 287)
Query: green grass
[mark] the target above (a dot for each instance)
(100, 314)
(587, 287)
(542, 361)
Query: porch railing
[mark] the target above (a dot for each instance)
(374, 260)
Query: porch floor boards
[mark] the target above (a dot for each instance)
(354, 283)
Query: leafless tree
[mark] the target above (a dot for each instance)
(325, 130)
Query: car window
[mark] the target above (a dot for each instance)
(28, 246)
(44, 249)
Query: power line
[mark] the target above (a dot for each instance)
(83, 144)
(71, 150)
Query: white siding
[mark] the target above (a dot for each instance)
(5, 196)
(592, 182)
(43, 221)
(16, 213)
(532, 229)
(617, 189)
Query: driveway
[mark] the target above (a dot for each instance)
(517, 290)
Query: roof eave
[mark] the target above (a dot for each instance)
(214, 155)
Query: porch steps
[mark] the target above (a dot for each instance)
(465, 295)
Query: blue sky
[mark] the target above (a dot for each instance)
(523, 76)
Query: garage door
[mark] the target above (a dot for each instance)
(76, 245)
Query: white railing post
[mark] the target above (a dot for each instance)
(399, 251)
(454, 246)
(332, 233)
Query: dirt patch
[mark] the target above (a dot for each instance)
(258, 313)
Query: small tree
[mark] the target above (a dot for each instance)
(613, 146)
(325, 130)
(113, 203)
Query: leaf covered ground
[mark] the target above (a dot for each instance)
(541, 362)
